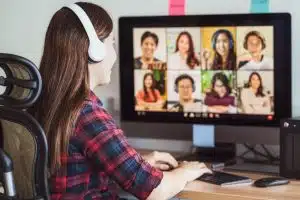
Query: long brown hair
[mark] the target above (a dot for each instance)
(191, 60)
(152, 88)
(64, 71)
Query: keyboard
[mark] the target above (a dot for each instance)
(224, 179)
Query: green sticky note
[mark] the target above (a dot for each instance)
(259, 6)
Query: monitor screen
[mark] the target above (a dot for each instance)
(206, 73)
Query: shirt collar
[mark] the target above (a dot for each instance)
(93, 98)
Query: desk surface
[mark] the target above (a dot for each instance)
(198, 190)
(201, 190)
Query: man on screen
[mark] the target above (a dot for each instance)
(185, 86)
(149, 43)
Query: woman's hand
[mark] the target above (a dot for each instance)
(161, 160)
(205, 54)
(192, 170)
(244, 57)
(218, 109)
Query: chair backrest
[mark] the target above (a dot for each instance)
(23, 138)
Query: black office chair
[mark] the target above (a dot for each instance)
(24, 150)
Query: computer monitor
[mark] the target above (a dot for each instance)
(231, 69)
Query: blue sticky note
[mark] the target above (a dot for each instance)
(203, 136)
(259, 6)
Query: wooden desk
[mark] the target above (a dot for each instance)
(202, 190)
(198, 190)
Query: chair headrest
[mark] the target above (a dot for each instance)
(20, 81)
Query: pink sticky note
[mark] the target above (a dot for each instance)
(176, 7)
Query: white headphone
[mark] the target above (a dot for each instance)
(96, 48)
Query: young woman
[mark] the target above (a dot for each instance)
(149, 98)
(89, 154)
(224, 55)
(219, 99)
(254, 100)
(184, 56)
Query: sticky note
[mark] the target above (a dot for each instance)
(203, 136)
(259, 6)
(176, 7)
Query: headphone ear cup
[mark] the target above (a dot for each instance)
(91, 61)
(194, 88)
(231, 42)
(96, 51)
(213, 41)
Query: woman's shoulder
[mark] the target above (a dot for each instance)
(247, 93)
(245, 90)
(173, 55)
(140, 92)
(210, 96)
(93, 110)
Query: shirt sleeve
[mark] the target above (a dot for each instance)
(140, 95)
(105, 144)
(245, 101)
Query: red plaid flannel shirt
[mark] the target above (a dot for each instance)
(100, 158)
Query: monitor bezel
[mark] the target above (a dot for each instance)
(282, 73)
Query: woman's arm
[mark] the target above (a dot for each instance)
(154, 105)
(140, 98)
(124, 165)
(218, 109)
(266, 106)
(173, 182)
(105, 146)
(245, 101)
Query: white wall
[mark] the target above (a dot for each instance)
(23, 25)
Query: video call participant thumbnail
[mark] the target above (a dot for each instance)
(224, 56)
(149, 97)
(184, 57)
(219, 99)
(255, 43)
(185, 87)
(149, 43)
(253, 97)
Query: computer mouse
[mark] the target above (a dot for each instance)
(170, 167)
(270, 181)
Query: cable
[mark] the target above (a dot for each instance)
(269, 153)
(253, 150)
(268, 157)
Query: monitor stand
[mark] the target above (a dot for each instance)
(269, 164)
(205, 149)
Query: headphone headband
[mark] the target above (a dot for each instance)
(96, 49)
